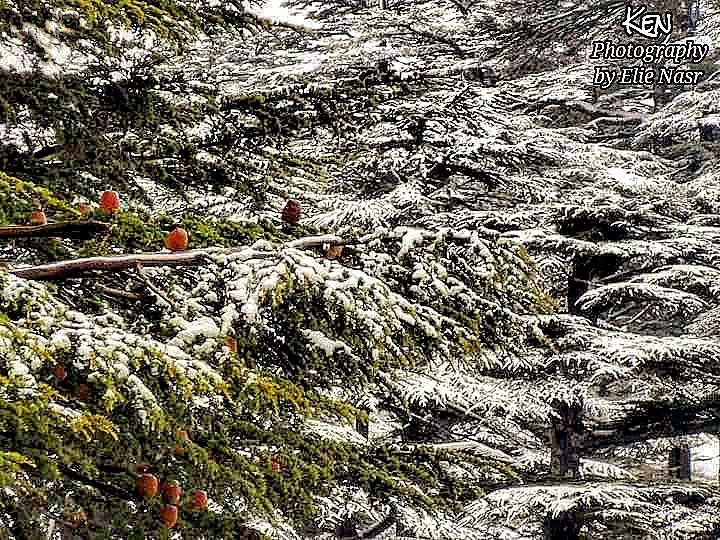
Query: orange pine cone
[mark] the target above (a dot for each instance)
(231, 343)
(172, 491)
(333, 252)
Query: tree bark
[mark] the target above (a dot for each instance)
(362, 425)
(65, 229)
(122, 294)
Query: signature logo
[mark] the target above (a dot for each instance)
(638, 21)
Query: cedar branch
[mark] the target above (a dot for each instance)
(107, 489)
(64, 229)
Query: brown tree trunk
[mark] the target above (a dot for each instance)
(566, 438)
(565, 526)
(679, 461)
(362, 425)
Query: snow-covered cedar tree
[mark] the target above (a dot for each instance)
(518, 339)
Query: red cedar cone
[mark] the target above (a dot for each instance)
(146, 485)
(82, 392)
(59, 372)
(110, 201)
(199, 499)
(291, 212)
(177, 239)
(333, 252)
(231, 343)
(182, 436)
(172, 491)
(169, 515)
(38, 217)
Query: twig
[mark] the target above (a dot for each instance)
(154, 288)
(119, 293)
(458, 95)
(436, 37)
(64, 229)
(638, 315)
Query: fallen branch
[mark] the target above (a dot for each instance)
(64, 229)
(66, 269)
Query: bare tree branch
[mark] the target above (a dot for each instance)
(78, 267)
(66, 269)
